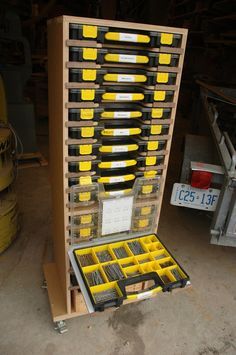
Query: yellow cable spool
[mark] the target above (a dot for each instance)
(9, 223)
(6, 164)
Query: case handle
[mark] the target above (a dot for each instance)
(149, 291)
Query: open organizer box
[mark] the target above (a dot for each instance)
(124, 259)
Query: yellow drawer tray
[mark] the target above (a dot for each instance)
(112, 271)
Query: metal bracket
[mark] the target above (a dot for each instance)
(44, 284)
(61, 327)
(199, 166)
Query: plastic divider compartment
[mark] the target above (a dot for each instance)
(85, 132)
(85, 165)
(134, 268)
(84, 114)
(85, 95)
(117, 145)
(101, 305)
(122, 252)
(154, 129)
(101, 250)
(94, 268)
(86, 75)
(151, 146)
(85, 257)
(76, 150)
(114, 160)
(154, 160)
(120, 128)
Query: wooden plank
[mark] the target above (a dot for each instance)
(82, 85)
(121, 24)
(55, 291)
(57, 77)
(81, 123)
(31, 160)
(80, 105)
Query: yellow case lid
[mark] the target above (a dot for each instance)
(162, 77)
(159, 95)
(86, 113)
(89, 74)
(166, 38)
(85, 165)
(87, 132)
(90, 31)
(90, 53)
(151, 160)
(156, 129)
(164, 58)
(157, 112)
(87, 94)
(152, 145)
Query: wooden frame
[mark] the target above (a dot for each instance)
(61, 295)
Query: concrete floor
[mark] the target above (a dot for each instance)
(198, 320)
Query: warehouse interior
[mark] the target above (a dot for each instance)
(196, 319)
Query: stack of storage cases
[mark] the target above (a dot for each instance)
(123, 87)
(113, 91)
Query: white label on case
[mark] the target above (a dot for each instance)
(122, 114)
(143, 295)
(122, 97)
(125, 78)
(128, 37)
(127, 58)
(116, 179)
(118, 164)
(116, 193)
(121, 132)
(119, 148)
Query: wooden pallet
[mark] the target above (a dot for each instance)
(31, 160)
